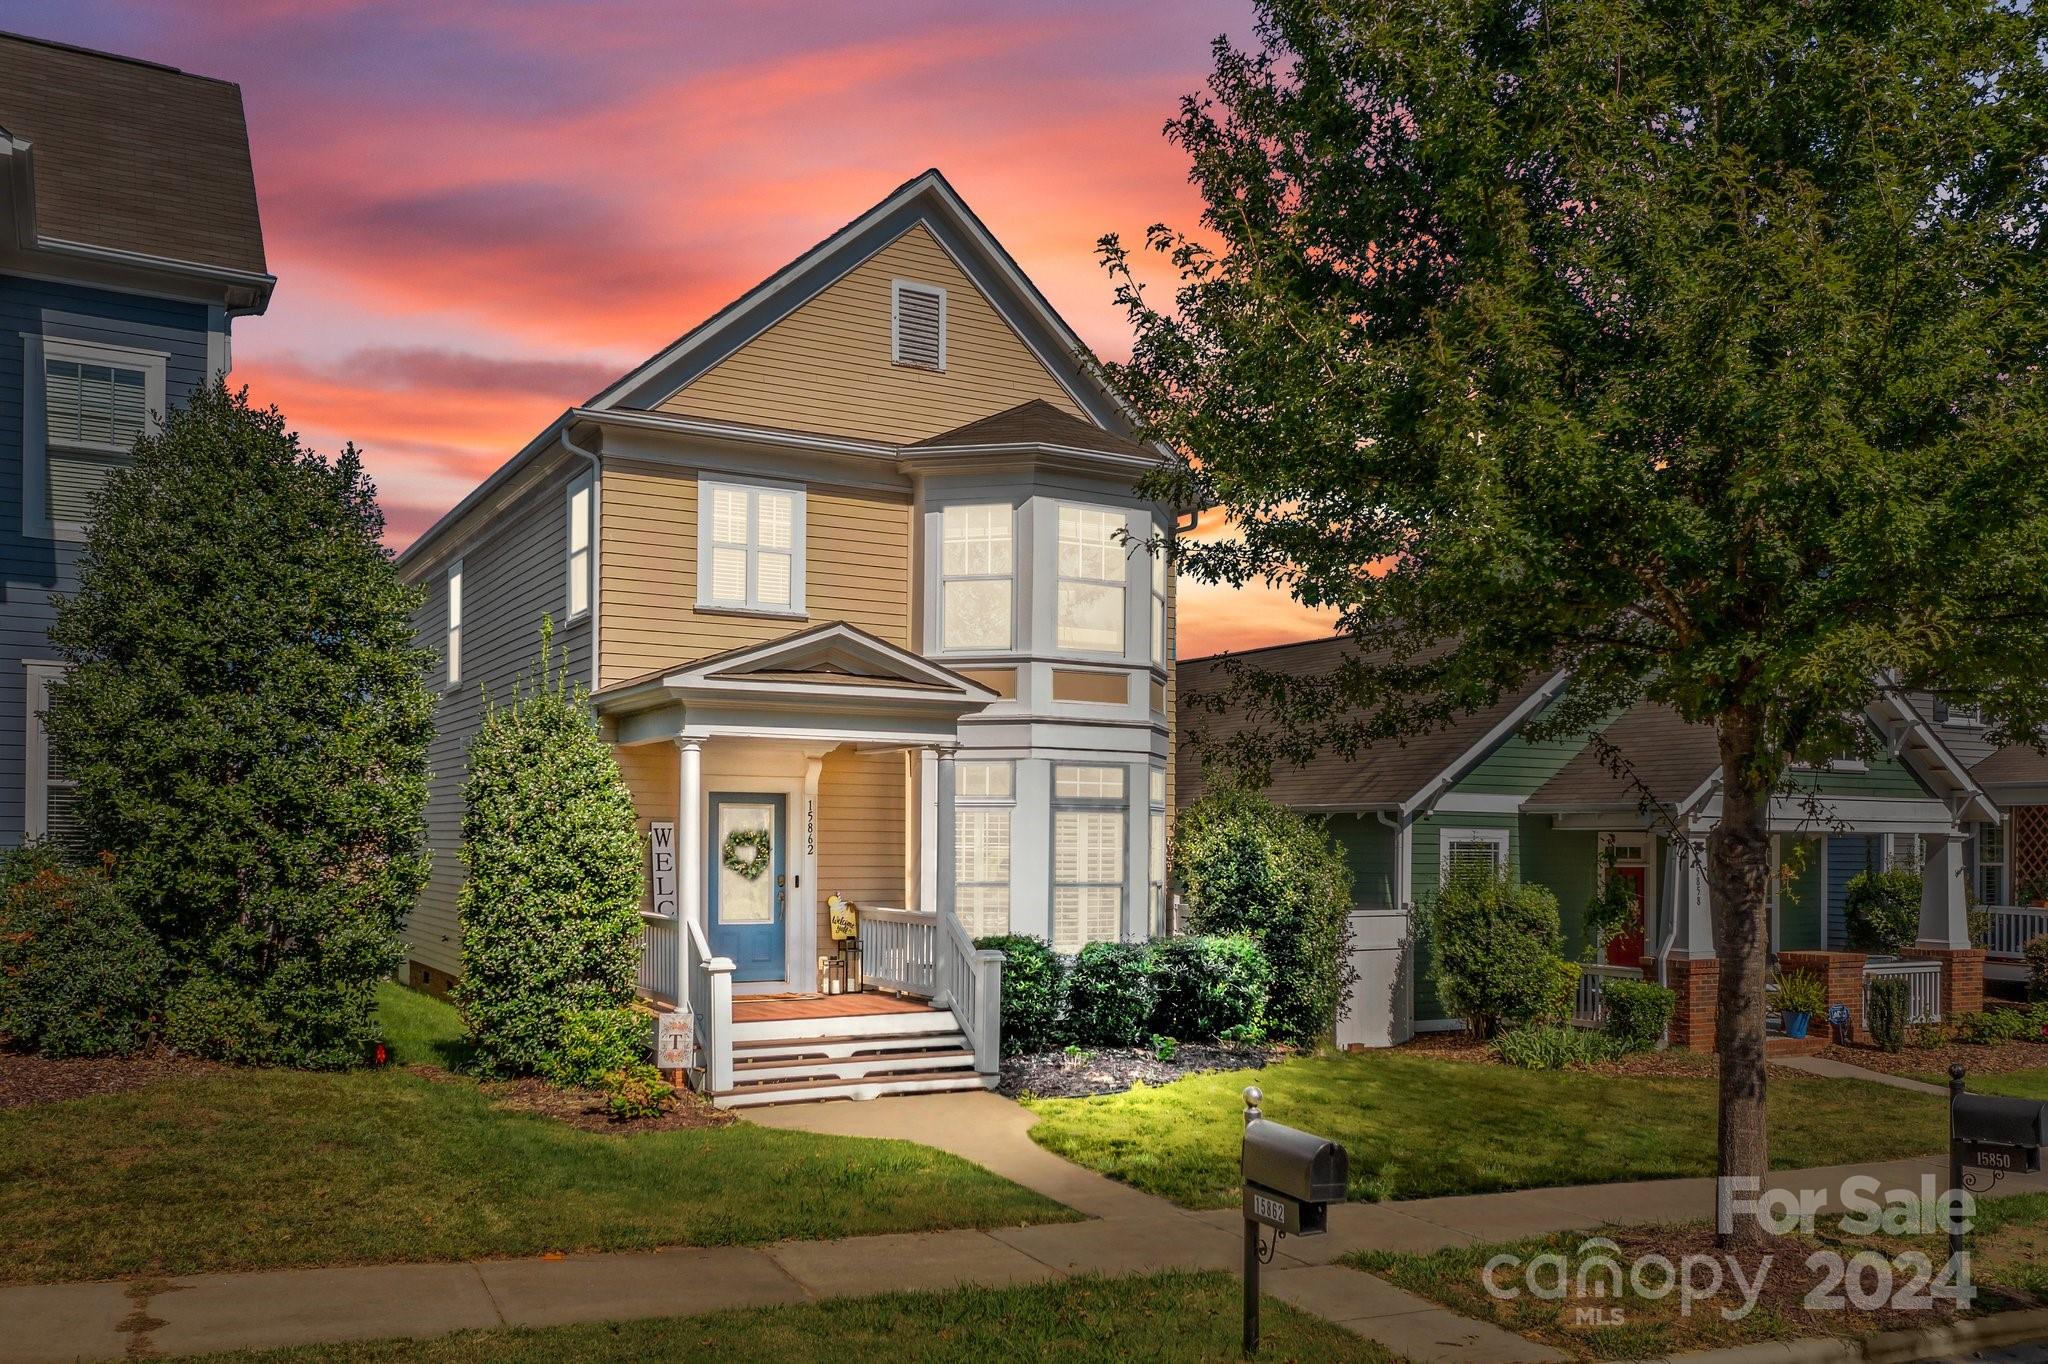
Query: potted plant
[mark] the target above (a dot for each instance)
(1800, 995)
(2034, 890)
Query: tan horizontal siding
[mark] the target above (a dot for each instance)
(653, 775)
(860, 832)
(856, 569)
(827, 367)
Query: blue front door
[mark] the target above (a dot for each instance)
(746, 906)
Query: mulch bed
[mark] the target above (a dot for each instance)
(1993, 1059)
(1670, 1063)
(1112, 1070)
(585, 1108)
(26, 1080)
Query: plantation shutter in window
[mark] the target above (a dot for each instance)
(919, 326)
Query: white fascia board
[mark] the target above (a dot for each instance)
(1473, 803)
(1425, 799)
(1004, 455)
(1922, 749)
(424, 551)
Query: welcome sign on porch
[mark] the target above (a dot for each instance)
(661, 868)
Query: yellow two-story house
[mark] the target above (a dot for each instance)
(859, 578)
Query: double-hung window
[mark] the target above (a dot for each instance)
(1089, 815)
(88, 405)
(977, 577)
(750, 547)
(455, 624)
(49, 792)
(1159, 607)
(1474, 850)
(582, 507)
(984, 796)
(1091, 580)
(1991, 864)
(1160, 927)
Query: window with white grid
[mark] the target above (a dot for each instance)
(1159, 607)
(750, 547)
(582, 504)
(1091, 580)
(95, 402)
(977, 577)
(455, 623)
(1088, 822)
(982, 796)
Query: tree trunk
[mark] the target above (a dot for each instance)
(1738, 885)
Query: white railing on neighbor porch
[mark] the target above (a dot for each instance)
(2012, 927)
(1589, 1008)
(657, 955)
(932, 956)
(1923, 987)
(709, 982)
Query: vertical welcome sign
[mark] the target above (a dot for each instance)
(661, 867)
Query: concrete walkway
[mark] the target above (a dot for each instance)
(1842, 1070)
(1128, 1233)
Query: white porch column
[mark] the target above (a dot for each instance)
(807, 899)
(689, 855)
(927, 828)
(942, 843)
(1693, 915)
(1944, 894)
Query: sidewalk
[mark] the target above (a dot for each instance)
(1130, 1233)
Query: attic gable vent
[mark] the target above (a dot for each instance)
(917, 325)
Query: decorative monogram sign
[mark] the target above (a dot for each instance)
(677, 1041)
(661, 867)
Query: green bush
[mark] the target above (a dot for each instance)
(1638, 1012)
(2036, 953)
(1244, 865)
(79, 974)
(1561, 992)
(247, 717)
(1109, 995)
(1882, 911)
(1495, 942)
(1209, 987)
(1890, 1003)
(1034, 991)
(1552, 1046)
(1997, 1025)
(551, 909)
(597, 1042)
(210, 1017)
(636, 1091)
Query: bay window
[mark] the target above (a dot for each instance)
(1089, 817)
(1160, 927)
(1159, 607)
(983, 798)
(1091, 580)
(977, 587)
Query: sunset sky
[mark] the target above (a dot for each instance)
(479, 212)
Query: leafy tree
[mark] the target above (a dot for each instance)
(551, 909)
(1686, 346)
(247, 719)
(1245, 865)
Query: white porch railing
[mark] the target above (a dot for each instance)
(932, 955)
(708, 980)
(1923, 987)
(1589, 1008)
(657, 955)
(2012, 927)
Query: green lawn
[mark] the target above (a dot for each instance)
(258, 1169)
(1161, 1317)
(2016, 1084)
(2009, 1266)
(1418, 1128)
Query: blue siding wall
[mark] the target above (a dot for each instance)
(1847, 857)
(32, 569)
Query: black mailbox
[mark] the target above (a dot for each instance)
(1294, 1163)
(1990, 1120)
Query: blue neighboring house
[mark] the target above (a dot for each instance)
(129, 243)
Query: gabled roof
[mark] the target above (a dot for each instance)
(1036, 424)
(2014, 765)
(1668, 759)
(928, 199)
(129, 156)
(822, 660)
(1387, 776)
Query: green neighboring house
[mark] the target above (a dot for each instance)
(1552, 812)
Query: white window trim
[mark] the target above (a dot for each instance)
(585, 486)
(1446, 837)
(452, 652)
(1005, 803)
(896, 288)
(1009, 643)
(1120, 805)
(36, 349)
(1058, 578)
(1156, 834)
(798, 547)
(1158, 578)
(36, 749)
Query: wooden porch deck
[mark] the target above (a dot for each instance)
(785, 1008)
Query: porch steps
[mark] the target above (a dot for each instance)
(862, 1056)
(1777, 1044)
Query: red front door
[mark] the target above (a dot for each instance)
(1626, 949)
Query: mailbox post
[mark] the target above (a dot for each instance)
(1290, 1180)
(1988, 1137)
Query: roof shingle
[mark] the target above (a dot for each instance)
(1036, 422)
(1667, 758)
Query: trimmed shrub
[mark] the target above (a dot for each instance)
(79, 974)
(2036, 953)
(1561, 992)
(247, 717)
(636, 1091)
(1638, 1012)
(207, 1016)
(597, 1042)
(1034, 991)
(1997, 1025)
(1495, 942)
(1244, 865)
(1882, 911)
(1109, 995)
(1890, 1003)
(1552, 1046)
(1209, 987)
(551, 910)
